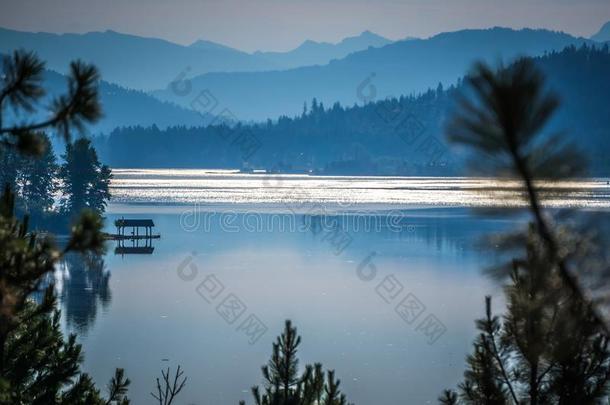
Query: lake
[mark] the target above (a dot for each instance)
(383, 278)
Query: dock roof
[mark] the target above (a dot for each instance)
(134, 223)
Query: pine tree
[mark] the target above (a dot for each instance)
(549, 347)
(552, 345)
(38, 181)
(448, 397)
(314, 106)
(281, 372)
(333, 395)
(484, 382)
(10, 162)
(44, 369)
(284, 385)
(86, 181)
(37, 366)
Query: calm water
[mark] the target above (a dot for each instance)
(341, 256)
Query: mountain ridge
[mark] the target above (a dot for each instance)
(603, 35)
(398, 136)
(121, 107)
(148, 63)
(310, 53)
(402, 67)
(128, 60)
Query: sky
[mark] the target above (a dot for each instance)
(284, 24)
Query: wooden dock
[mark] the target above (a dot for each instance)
(123, 237)
(135, 225)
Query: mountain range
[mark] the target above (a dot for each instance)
(150, 63)
(402, 67)
(360, 70)
(397, 136)
(320, 53)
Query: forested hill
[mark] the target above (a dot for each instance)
(395, 136)
(121, 107)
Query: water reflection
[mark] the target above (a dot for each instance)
(308, 274)
(296, 247)
(83, 290)
(83, 281)
(134, 247)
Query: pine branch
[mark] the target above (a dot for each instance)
(118, 387)
(80, 105)
(495, 352)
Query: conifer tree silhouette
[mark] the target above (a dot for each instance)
(552, 344)
(284, 385)
(36, 365)
(548, 348)
(85, 180)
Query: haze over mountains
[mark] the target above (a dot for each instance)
(261, 86)
(122, 107)
(319, 53)
(150, 63)
(402, 67)
(403, 136)
(603, 35)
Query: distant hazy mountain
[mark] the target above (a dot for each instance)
(123, 107)
(320, 53)
(129, 60)
(403, 135)
(403, 67)
(603, 34)
(150, 63)
(204, 45)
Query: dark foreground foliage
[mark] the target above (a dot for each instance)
(284, 385)
(551, 346)
(37, 365)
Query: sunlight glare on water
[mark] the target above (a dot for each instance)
(210, 187)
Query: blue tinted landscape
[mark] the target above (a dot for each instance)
(304, 203)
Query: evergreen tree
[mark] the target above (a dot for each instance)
(36, 365)
(314, 106)
(38, 181)
(548, 348)
(482, 384)
(9, 167)
(552, 345)
(285, 386)
(44, 369)
(502, 123)
(32, 178)
(281, 372)
(448, 397)
(85, 179)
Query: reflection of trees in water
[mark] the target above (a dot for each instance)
(82, 284)
(453, 233)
